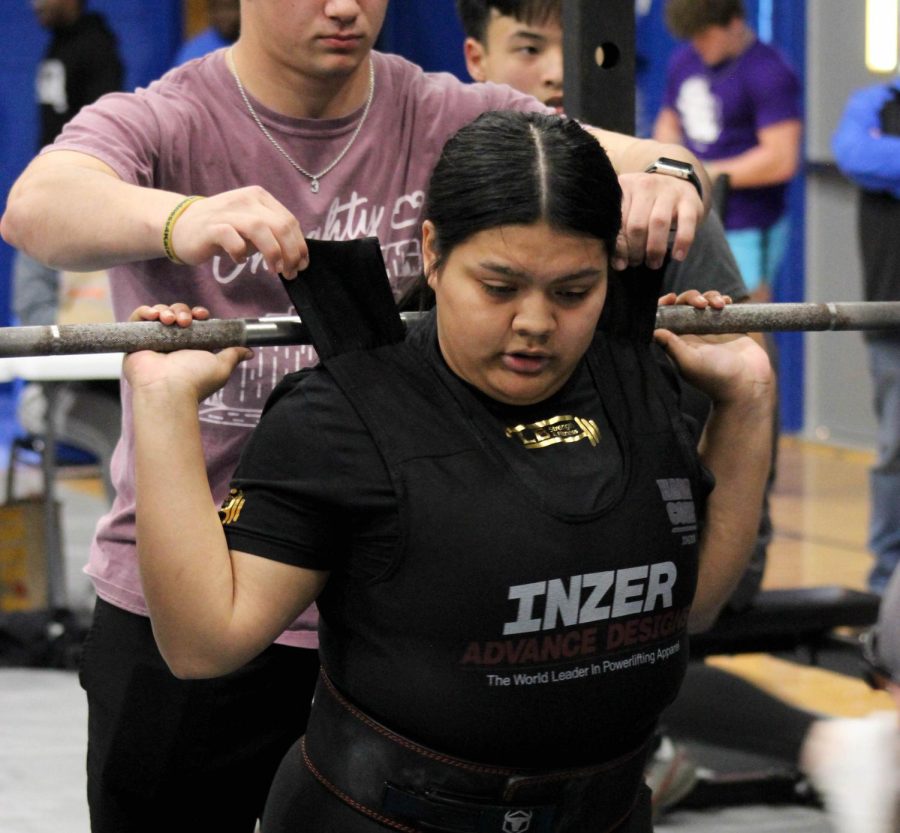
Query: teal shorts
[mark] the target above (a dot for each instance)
(759, 252)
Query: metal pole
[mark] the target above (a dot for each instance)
(599, 63)
(130, 337)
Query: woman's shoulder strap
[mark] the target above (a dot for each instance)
(344, 297)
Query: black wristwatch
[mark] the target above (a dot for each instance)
(682, 170)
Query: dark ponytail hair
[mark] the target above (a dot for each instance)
(511, 168)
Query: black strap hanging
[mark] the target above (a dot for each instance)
(344, 297)
(631, 302)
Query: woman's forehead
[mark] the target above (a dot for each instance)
(537, 249)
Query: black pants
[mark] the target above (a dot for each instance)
(169, 754)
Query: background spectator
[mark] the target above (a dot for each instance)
(735, 103)
(81, 63)
(866, 147)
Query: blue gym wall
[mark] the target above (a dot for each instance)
(788, 28)
(428, 34)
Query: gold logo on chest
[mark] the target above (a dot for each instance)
(558, 429)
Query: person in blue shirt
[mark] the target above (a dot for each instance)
(223, 30)
(866, 147)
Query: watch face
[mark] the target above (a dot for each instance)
(674, 167)
(681, 170)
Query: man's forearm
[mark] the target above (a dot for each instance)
(72, 212)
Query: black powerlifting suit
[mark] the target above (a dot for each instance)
(509, 630)
(530, 636)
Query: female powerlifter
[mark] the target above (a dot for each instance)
(505, 520)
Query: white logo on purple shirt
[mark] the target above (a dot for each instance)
(700, 111)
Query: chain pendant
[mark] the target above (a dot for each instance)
(313, 179)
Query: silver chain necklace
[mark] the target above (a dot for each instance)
(313, 178)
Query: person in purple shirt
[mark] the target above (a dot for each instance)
(735, 103)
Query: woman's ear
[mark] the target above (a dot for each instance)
(429, 255)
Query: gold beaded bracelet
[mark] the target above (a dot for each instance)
(170, 224)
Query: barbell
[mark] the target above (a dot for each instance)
(214, 334)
